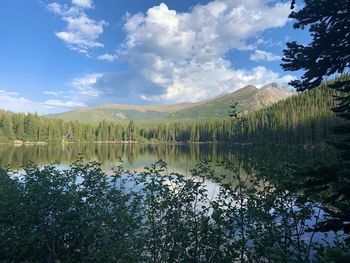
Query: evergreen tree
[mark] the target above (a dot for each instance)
(327, 55)
(6, 125)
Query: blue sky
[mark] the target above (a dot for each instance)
(61, 55)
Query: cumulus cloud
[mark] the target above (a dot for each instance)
(84, 85)
(182, 56)
(212, 29)
(199, 85)
(81, 32)
(263, 55)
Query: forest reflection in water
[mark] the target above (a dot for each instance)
(179, 157)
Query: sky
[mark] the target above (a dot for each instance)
(59, 55)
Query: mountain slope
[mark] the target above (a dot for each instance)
(302, 118)
(112, 112)
(248, 98)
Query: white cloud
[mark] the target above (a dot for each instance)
(8, 93)
(198, 85)
(84, 85)
(108, 57)
(83, 3)
(263, 55)
(265, 42)
(63, 104)
(55, 8)
(53, 93)
(12, 101)
(81, 32)
(212, 29)
(177, 57)
(80, 94)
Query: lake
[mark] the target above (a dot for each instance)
(179, 157)
(270, 161)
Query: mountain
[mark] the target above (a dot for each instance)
(248, 98)
(302, 118)
(112, 112)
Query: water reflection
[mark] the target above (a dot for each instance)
(135, 156)
(180, 158)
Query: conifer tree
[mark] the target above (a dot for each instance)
(327, 55)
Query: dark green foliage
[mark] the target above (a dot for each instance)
(328, 22)
(33, 128)
(68, 215)
(327, 55)
(83, 215)
(303, 118)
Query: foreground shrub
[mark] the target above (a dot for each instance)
(84, 215)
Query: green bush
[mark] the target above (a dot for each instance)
(84, 215)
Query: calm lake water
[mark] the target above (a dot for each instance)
(180, 158)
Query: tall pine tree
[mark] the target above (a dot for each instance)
(327, 55)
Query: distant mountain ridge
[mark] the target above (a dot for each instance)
(248, 98)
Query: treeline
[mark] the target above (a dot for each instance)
(303, 118)
(31, 127)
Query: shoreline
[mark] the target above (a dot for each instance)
(42, 143)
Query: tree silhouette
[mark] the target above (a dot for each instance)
(326, 56)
